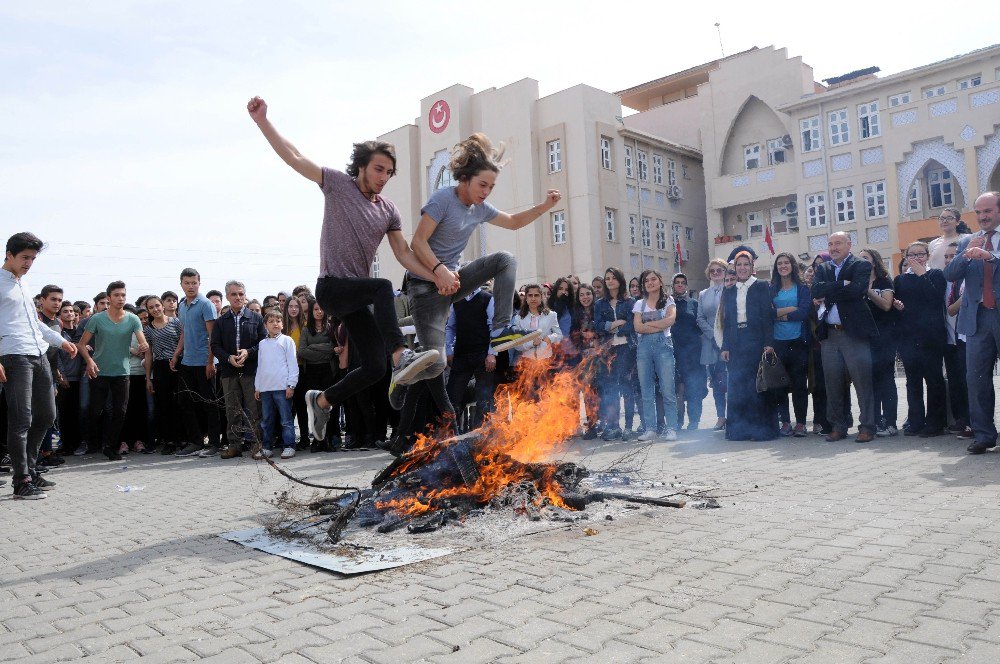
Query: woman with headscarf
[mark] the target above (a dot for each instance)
(745, 333)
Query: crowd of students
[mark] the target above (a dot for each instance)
(218, 374)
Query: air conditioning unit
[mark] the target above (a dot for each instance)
(674, 192)
(792, 206)
(793, 222)
(786, 140)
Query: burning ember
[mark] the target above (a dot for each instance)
(508, 462)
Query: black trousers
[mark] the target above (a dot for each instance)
(884, 377)
(794, 356)
(134, 429)
(166, 414)
(100, 388)
(197, 395)
(958, 387)
(923, 363)
(68, 407)
(373, 335)
(464, 368)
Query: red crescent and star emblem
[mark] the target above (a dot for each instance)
(439, 116)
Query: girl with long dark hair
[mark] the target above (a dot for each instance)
(883, 347)
(792, 301)
(614, 324)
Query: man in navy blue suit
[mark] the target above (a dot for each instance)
(977, 261)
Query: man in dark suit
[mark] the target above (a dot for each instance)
(845, 330)
(977, 261)
(235, 338)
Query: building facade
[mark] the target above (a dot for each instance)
(629, 199)
(876, 157)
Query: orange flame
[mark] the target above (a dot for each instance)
(534, 418)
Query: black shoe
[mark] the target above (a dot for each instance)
(611, 433)
(931, 432)
(24, 489)
(112, 454)
(590, 433)
(303, 445)
(52, 460)
(167, 449)
(42, 483)
(911, 431)
(42, 469)
(979, 447)
(317, 446)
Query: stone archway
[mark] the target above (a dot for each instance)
(765, 123)
(923, 152)
(987, 161)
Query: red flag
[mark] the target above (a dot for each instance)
(767, 238)
(680, 254)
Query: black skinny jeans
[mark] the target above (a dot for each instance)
(372, 335)
(923, 363)
(884, 376)
(165, 412)
(100, 387)
(196, 393)
(794, 356)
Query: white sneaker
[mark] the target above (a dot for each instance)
(80, 451)
(669, 434)
(647, 436)
(288, 453)
(410, 364)
(263, 453)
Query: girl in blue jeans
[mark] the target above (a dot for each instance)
(652, 318)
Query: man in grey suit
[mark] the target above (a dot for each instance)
(977, 261)
(708, 306)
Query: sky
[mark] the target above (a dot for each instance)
(126, 146)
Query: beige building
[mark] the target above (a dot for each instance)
(876, 157)
(629, 198)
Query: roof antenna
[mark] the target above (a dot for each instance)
(719, 30)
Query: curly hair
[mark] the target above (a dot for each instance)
(363, 152)
(474, 155)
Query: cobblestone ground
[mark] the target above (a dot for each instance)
(842, 552)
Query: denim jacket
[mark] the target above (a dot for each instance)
(604, 315)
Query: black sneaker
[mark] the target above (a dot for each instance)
(167, 449)
(511, 337)
(51, 460)
(26, 490)
(42, 483)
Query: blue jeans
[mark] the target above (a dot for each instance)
(271, 403)
(656, 353)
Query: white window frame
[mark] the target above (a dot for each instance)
(657, 169)
(900, 99)
(755, 224)
(671, 172)
(839, 127)
(914, 202)
(779, 221)
(845, 212)
(610, 225)
(940, 188)
(934, 91)
(751, 156)
(775, 151)
(555, 155)
(970, 82)
(646, 233)
(812, 137)
(661, 234)
(633, 230)
(605, 153)
(641, 160)
(868, 120)
(558, 227)
(875, 200)
(816, 211)
(629, 165)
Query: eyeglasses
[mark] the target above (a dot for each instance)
(716, 270)
(947, 218)
(920, 255)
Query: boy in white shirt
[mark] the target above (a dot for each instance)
(277, 375)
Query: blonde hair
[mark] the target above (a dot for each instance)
(715, 261)
(475, 154)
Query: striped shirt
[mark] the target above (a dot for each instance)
(163, 341)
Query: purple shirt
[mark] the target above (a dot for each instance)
(353, 227)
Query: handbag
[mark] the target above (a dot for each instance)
(771, 374)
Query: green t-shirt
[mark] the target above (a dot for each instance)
(111, 342)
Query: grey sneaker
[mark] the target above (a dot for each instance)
(669, 434)
(318, 417)
(410, 364)
(191, 449)
(646, 436)
(209, 451)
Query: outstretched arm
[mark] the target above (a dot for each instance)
(514, 221)
(257, 108)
